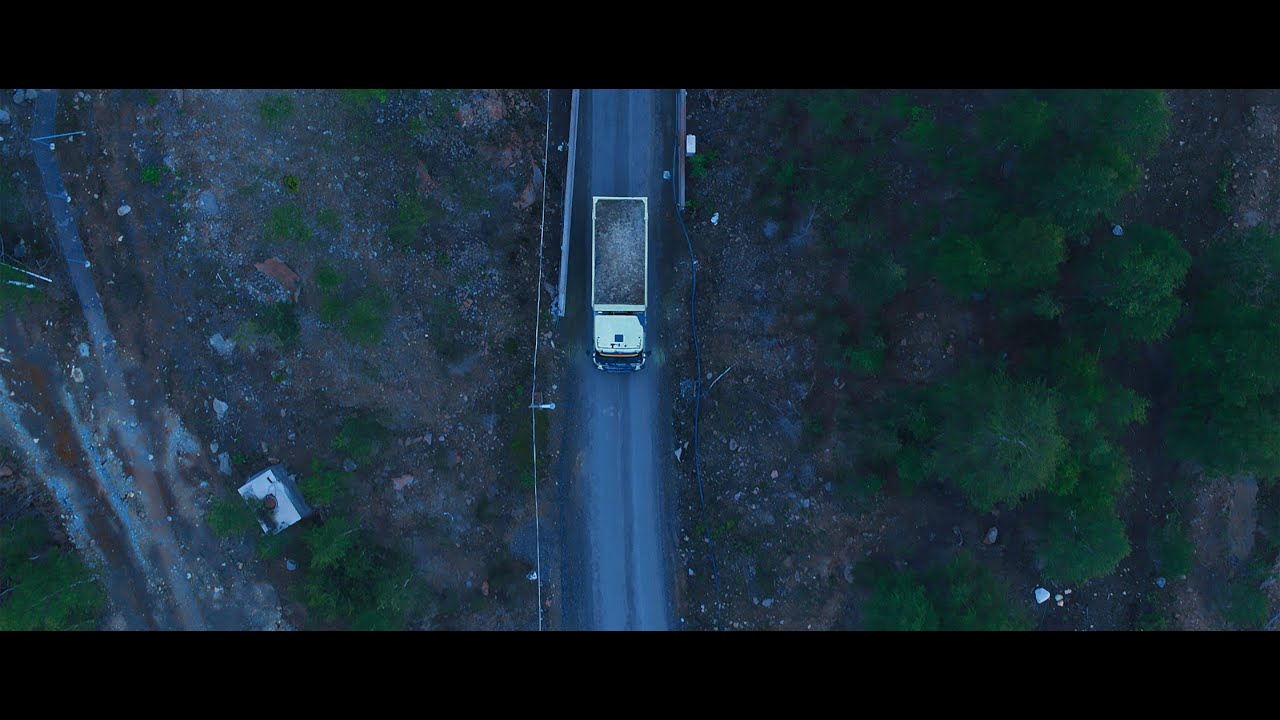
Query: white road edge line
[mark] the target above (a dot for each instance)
(533, 386)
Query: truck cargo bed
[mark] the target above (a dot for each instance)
(619, 253)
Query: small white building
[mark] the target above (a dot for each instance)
(279, 497)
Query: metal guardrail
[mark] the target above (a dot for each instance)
(568, 202)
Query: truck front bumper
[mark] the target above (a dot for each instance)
(609, 364)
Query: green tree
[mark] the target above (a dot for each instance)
(1024, 253)
(1082, 542)
(899, 602)
(1077, 190)
(1131, 284)
(41, 586)
(1000, 440)
(970, 597)
(1018, 119)
(1228, 439)
(1134, 121)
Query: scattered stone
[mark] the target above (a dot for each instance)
(715, 219)
(690, 572)
(678, 451)
(213, 448)
(84, 349)
(224, 463)
(805, 502)
(1041, 595)
(220, 408)
(223, 346)
(1117, 230)
(1067, 591)
(992, 535)
(755, 601)
(402, 482)
(767, 602)
(1160, 582)
(290, 565)
(207, 203)
(31, 95)
(77, 374)
(1060, 603)
(1058, 598)
(124, 210)
(4, 117)
(733, 445)
(774, 474)
(428, 438)
(19, 97)
(349, 465)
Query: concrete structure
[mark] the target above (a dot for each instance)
(274, 488)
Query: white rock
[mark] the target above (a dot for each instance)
(124, 210)
(1041, 595)
(678, 451)
(219, 408)
(1058, 598)
(715, 219)
(77, 374)
(992, 535)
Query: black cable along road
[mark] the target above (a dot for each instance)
(697, 398)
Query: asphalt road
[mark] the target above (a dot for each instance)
(616, 462)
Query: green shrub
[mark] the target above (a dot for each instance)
(274, 110)
(866, 359)
(1171, 548)
(280, 320)
(291, 183)
(151, 174)
(1244, 605)
(353, 579)
(361, 437)
(323, 486)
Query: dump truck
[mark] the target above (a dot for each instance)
(619, 281)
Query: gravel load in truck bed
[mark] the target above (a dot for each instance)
(620, 252)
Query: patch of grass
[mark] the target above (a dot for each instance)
(152, 174)
(151, 98)
(274, 110)
(291, 183)
(231, 517)
(411, 215)
(329, 220)
(15, 298)
(286, 223)
(1221, 197)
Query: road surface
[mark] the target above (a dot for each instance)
(615, 466)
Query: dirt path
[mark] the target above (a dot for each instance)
(166, 543)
